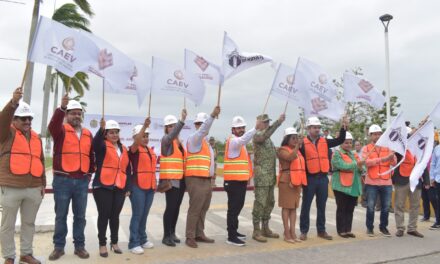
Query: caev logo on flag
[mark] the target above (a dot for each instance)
(421, 144)
(169, 79)
(317, 92)
(235, 61)
(105, 59)
(283, 86)
(63, 48)
(207, 71)
(361, 90)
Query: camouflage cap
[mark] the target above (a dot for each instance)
(263, 117)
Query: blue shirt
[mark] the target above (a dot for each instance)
(434, 172)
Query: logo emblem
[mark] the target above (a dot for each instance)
(68, 43)
(105, 59)
(395, 135)
(366, 86)
(234, 59)
(134, 74)
(179, 75)
(201, 62)
(290, 79)
(421, 143)
(318, 104)
(322, 79)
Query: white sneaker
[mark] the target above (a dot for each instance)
(137, 250)
(148, 244)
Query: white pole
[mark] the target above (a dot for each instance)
(387, 85)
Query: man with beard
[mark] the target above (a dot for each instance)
(22, 178)
(236, 173)
(265, 178)
(73, 164)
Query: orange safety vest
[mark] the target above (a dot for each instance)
(172, 167)
(114, 167)
(374, 171)
(199, 163)
(146, 168)
(25, 156)
(239, 168)
(297, 169)
(407, 165)
(316, 156)
(346, 177)
(75, 153)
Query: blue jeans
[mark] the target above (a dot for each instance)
(64, 190)
(384, 192)
(141, 201)
(316, 185)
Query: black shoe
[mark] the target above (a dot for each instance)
(415, 233)
(370, 232)
(235, 241)
(175, 238)
(349, 234)
(434, 227)
(241, 236)
(384, 231)
(424, 219)
(168, 241)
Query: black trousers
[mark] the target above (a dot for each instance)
(173, 197)
(426, 203)
(236, 191)
(344, 211)
(109, 204)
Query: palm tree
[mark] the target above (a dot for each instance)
(68, 15)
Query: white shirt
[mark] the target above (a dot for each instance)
(235, 143)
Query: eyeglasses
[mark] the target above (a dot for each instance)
(24, 118)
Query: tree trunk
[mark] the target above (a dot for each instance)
(30, 72)
(46, 100)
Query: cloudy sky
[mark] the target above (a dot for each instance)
(337, 34)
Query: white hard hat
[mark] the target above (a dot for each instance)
(290, 131)
(112, 124)
(23, 109)
(313, 121)
(169, 120)
(138, 129)
(201, 117)
(408, 130)
(238, 121)
(348, 135)
(374, 128)
(73, 104)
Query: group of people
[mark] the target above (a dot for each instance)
(129, 171)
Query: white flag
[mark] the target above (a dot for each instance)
(421, 144)
(360, 90)
(62, 47)
(317, 91)
(207, 71)
(112, 65)
(435, 112)
(283, 86)
(395, 138)
(170, 79)
(235, 61)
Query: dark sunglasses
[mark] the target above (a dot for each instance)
(24, 118)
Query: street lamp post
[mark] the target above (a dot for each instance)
(386, 21)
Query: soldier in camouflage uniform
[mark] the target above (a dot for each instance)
(264, 178)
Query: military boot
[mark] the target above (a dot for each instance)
(267, 232)
(256, 235)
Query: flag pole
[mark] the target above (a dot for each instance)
(184, 102)
(103, 82)
(265, 105)
(219, 94)
(149, 104)
(24, 75)
(68, 85)
(285, 108)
